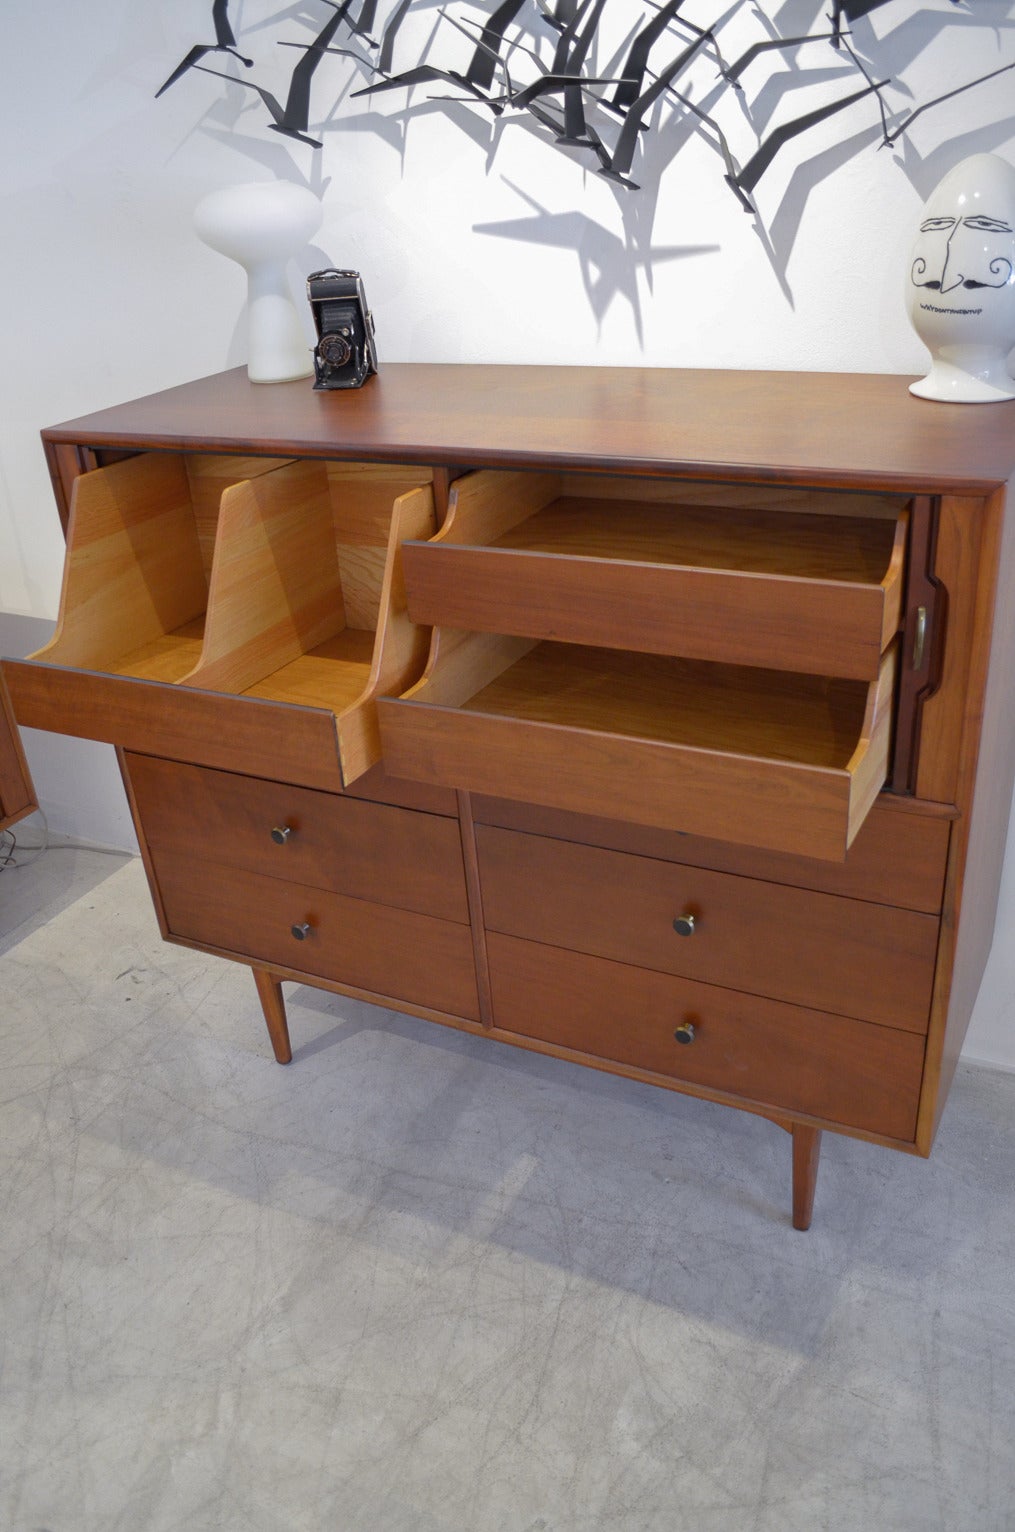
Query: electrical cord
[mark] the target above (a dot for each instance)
(10, 860)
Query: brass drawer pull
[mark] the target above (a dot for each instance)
(301, 932)
(919, 637)
(685, 1032)
(684, 924)
(281, 833)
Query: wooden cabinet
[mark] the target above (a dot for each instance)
(653, 720)
(17, 795)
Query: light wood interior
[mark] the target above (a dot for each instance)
(786, 586)
(209, 475)
(859, 550)
(276, 585)
(739, 709)
(167, 658)
(254, 576)
(803, 533)
(133, 580)
(332, 675)
(727, 494)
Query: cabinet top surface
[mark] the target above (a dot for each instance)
(826, 428)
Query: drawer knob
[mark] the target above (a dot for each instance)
(685, 1032)
(684, 925)
(301, 932)
(281, 833)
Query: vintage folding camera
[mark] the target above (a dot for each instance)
(345, 355)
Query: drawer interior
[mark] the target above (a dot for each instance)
(806, 580)
(814, 720)
(854, 541)
(258, 578)
(759, 757)
(714, 659)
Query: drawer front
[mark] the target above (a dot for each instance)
(789, 763)
(819, 627)
(898, 857)
(845, 1072)
(367, 850)
(864, 960)
(810, 591)
(388, 952)
(233, 733)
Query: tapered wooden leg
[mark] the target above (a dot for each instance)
(806, 1150)
(269, 991)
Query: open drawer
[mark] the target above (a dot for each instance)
(800, 580)
(234, 613)
(766, 758)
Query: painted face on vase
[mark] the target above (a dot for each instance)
(961, 286)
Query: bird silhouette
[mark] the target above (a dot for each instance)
(293, 119)
(225, 42)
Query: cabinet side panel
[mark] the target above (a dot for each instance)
(66, 463)
(956, 566)
(986, 775)
(17, 796)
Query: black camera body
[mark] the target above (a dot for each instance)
(345, 355)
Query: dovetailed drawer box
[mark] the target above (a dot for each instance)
(668, 733)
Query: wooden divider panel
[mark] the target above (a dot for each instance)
(133, 570)
(275, 589)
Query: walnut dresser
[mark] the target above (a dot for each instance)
(660, 721)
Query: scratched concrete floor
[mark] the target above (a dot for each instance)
(419, 1283)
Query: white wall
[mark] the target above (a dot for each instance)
(468, 254)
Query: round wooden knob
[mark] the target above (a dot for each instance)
(301, 932)
(685, 1032)
(684, 925)
(281, 833)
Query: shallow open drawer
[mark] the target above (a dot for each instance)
(764, 758)
(801, 580)
(235, 622)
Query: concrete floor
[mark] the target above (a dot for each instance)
(421, 1283)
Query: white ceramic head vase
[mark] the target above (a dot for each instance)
(961, 284)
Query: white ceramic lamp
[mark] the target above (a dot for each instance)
(961, 285)
(261, 226)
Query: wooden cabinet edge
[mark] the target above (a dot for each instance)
(985, 783)
(17, 791)
(143, 847)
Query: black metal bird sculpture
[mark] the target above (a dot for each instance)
(225, 43)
